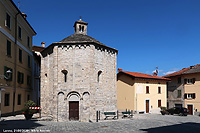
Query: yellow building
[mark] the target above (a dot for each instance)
(183, 90)
(15, 56)
(141, 92)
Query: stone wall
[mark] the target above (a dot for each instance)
(82, 63)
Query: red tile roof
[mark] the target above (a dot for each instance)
(181, 71)
(37, 48)
(143, 75)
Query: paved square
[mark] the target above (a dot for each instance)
(139, 123)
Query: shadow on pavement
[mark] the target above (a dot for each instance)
(14, 125)
(178, 128)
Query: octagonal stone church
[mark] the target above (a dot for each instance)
(78, 77)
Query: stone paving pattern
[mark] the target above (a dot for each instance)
(139, 123)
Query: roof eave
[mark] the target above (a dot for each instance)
(34, 33)
(144, 77)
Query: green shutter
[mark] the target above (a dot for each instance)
(18, 77)
(22, 78)
(8, 48)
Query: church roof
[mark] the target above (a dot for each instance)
(80, 38)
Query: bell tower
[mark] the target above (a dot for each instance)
(80, 27)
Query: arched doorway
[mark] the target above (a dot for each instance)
(74, 106)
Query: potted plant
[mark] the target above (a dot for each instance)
(163, 110)
(27, 111)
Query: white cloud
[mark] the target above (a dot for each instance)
(169, 72)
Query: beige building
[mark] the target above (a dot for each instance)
(183, 90)
(15, 56)
(140, 92)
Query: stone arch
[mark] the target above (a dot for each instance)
(86, 105)
(86, 95)
(73, 96)
(73, 99)
(99, 76)
(60, 110)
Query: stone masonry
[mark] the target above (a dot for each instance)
(78, 68)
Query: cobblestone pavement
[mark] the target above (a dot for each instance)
(139, 123)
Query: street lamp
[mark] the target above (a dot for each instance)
(7, 76)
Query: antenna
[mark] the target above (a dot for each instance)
(19, 4)
(157, 70)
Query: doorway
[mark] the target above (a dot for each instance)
(190, 108)
(73, 110)
(147, 106)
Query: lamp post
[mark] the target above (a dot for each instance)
(7, 77)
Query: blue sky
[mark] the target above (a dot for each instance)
(147, 33)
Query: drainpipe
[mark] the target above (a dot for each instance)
(15, 63)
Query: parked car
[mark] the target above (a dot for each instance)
(177, 110)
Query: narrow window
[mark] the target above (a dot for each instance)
(28, 97)
(99, 75)
(20, 78)
(159, 103)
(20, 55)
(190, 81)
(8, 20)
(79, 27)
(28, 41)
(28, 80)
(19, 99)
(82, 28)
(179, 80)
(19, 32)
(159, 90)
(29, 61)
(179, 94)
(8, 48)
(147, 89)
(7, 100)
(65, 75)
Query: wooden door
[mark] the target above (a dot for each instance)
(73, 110)
(147, 106)
(190, 108)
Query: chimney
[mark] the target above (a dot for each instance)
(43, 44)
(24, 15)
(120, 70)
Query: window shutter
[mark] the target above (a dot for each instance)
(193, 80)
(185, 81)
(18, 77)
(22, 78)
(193, 96)
(185, 96)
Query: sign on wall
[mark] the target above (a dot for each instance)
(139, 89)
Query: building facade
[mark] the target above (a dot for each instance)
(141, 93)
(16, 56)
(78, 77)
(36, 72)
(183, 89)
